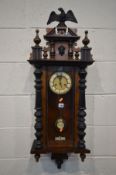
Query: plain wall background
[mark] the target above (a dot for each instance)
(18, 21)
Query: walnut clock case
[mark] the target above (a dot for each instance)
(60, 77)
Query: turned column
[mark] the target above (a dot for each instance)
(81, 112)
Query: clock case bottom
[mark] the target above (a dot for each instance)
(59, 154)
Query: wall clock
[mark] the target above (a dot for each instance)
(60, 77)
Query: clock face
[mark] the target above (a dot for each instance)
(60, 83)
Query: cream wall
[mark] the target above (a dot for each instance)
(18, 20)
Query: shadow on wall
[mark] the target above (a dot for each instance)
(29, 82)
(94, 80)
(72, 166)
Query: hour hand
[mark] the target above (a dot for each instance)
(60, 78)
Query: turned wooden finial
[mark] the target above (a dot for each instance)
(37, 39)
(86, 40)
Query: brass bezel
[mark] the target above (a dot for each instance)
(53, 76)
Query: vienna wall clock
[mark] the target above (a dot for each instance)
(60, 77)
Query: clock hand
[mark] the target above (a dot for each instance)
(60, 78)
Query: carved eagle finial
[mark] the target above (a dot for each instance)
(62, 17)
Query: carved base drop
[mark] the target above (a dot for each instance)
(37, 156)
(59, 159)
